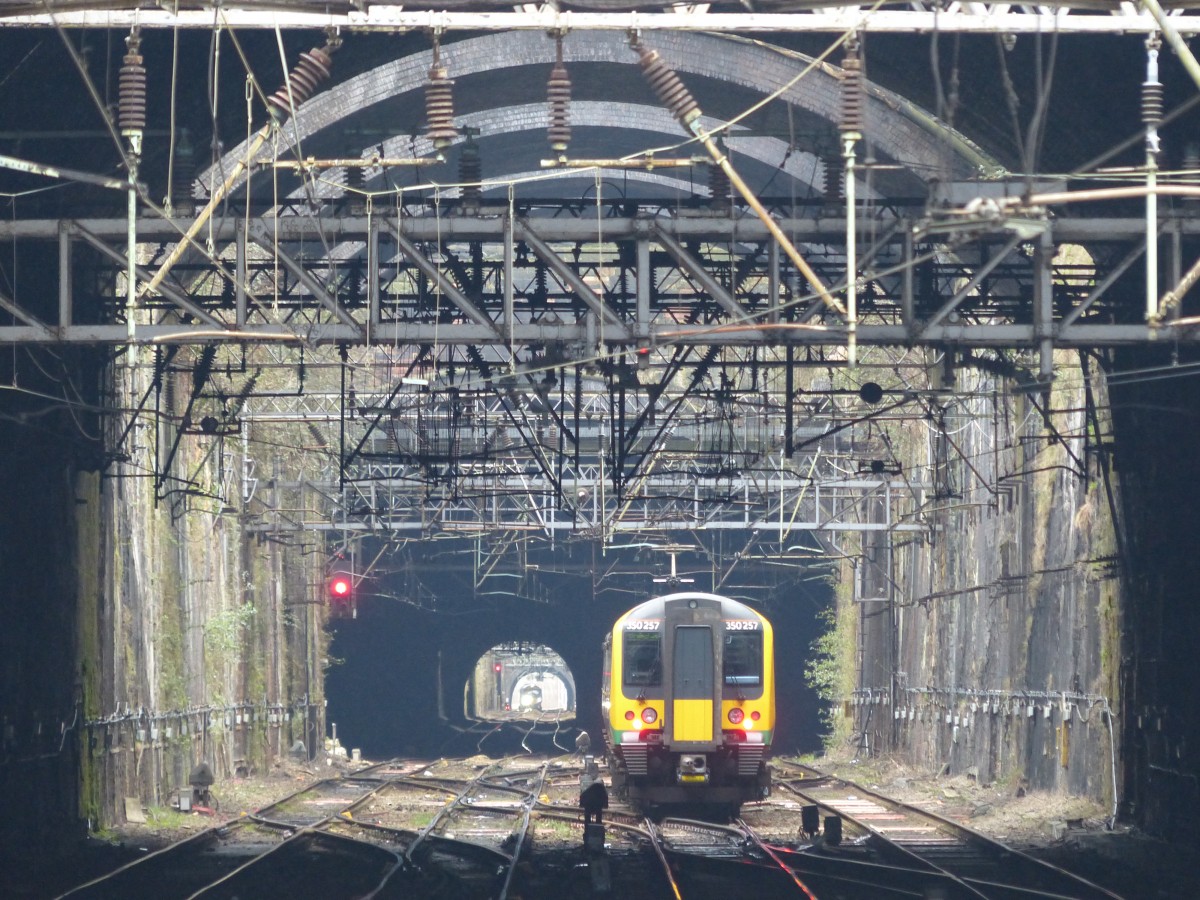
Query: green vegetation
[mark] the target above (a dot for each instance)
(823, 669)
(168, 818)
(557, 828)
(830, 667)
(223, 640)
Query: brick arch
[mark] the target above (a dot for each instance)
(897, 129)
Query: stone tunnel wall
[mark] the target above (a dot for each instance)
(196, 641)
(1003, 619)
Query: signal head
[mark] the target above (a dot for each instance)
(340, 586)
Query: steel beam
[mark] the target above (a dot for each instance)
(449, 228)
(694, 268)
(571, 278)
(319, 292)
(30, 320)
(660, 335)
(434, 274)
(175, 295)
(811, 16)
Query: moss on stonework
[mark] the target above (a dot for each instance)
(88, 654)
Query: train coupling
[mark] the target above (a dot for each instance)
(693, 769)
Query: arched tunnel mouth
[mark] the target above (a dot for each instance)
(414, 674)
(520, 682)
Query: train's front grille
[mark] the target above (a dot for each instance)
(749, 757)
(635, 758)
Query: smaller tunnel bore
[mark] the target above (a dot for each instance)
(520, 681)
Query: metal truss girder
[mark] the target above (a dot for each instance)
(177, 296)
(1081, 16)
(419, 525)
(770, 484)
(980, 273)
(341, 228)
(557, 265)
(999, 316)
(31, 321)
(319, 292)
(773, 502)
(569, 335)
(453, 294)
(694, 268)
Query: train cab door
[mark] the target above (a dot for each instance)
(692, 684)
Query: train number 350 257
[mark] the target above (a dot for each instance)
(741, 625)
(642, 625)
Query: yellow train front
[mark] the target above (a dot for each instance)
(689, 702)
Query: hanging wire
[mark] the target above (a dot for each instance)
(599, 258)
(168, 202)
(437, 282)
(512, 220)
(395, 287)
(214, 85)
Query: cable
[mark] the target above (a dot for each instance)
(1037, 121)
(169, 201)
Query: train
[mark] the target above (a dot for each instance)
(688, 703)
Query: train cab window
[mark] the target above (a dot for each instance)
(642, 658)
(743, 658)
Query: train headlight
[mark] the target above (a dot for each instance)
(736, 716)
(649, 716)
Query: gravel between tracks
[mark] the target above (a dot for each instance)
(1069, 831)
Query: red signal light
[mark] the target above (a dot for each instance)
(496, 667)
(339, 587)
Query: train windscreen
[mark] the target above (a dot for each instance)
(642, 661)
(743, 658)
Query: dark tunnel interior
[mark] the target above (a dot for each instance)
(396, 672)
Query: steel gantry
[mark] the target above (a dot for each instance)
(555, 281)
(588, 461)
(773, 16)
(606, 337)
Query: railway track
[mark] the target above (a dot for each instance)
(462, 829)
(922, 848)
(339, 838)
(699, 858)
(289, 827)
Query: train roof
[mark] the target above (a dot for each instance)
(730, 609)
